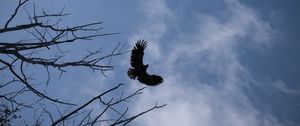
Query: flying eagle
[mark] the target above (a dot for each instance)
(139, 70)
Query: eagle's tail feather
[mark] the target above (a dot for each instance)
(131, 73)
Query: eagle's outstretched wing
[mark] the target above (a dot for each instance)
(150, 80)
(137, 54)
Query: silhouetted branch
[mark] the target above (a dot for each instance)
(84, 105)
(19, 27)
(126, 121)
(15, 12)
(24, 81)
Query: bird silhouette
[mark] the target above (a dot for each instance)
(139, 70)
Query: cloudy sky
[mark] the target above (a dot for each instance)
(224, 62)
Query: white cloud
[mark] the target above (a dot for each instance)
(212, 49)
(154, 26)
(156, 9)
(281, 86)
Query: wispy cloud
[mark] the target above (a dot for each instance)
(281, 86)
(203, 74)
(154, 26)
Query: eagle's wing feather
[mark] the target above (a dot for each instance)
(150, 80)
(137, 54)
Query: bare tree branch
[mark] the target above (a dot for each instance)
(19, 27)
(84, 105)
(24, 81)
(126, 121)
(15, 12)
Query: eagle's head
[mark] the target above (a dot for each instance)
(145, 67)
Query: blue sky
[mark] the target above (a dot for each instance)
(225, 62)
